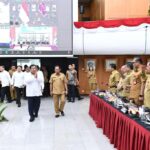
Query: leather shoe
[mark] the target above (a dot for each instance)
(56, 116)
(62, 113)
(80, 98)
(31, 119)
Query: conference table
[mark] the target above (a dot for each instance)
(125, 132)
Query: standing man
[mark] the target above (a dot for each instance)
(70, 74)
(17, 84)
(46, 83)
(33, 82)
(127, 80)
(113, 79)
(77, 83)
(137, 82)
(12, 91)
(121, 81)
(26, 72)
(42, 76)
(147, 87)
(6, 82)
(58, 89)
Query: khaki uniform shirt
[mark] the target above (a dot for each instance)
(136, 82)
(120, 87)
(126, 84)
(113, 81)
(58, 83)
(147, 92)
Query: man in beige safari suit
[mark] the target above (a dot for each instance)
(58, 89)
(113, 79)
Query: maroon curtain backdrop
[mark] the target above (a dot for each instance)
(112, 23)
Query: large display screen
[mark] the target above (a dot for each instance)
(36, 27)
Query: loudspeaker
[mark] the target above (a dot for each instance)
(81, 10)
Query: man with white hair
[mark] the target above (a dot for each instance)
(121, 81)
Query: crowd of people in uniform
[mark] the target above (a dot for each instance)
(131, 82)
(32, 83)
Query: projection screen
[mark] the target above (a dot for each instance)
(36, 27)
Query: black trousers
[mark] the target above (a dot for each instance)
(18, 92)
(5, 91)
(77, 92)
(24, 93)
(46, 90)
(71, 92)
(34, 105)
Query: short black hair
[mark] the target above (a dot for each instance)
(38, 67)
(25, 66)
(33, 66)
(129, 65)
(113, 66)
(138, 59)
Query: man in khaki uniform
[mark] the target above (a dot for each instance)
(121, 81)
(113, 79)
(147, 87)
(127, 80)
(58, 89)
(77, 83)
(12, 90)
(137, 82)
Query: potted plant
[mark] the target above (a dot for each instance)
(2, 108)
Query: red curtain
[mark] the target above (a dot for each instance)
(112, 23)
(123, 132)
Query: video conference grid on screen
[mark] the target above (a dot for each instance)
(35, 27)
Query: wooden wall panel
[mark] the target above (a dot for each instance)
(87, 12)
(95, 10)
(101, 73)
(138, 8)
(117, 9)
(102, 9)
